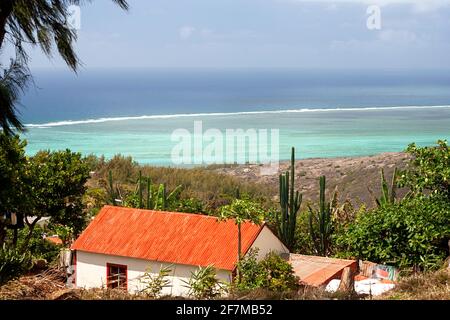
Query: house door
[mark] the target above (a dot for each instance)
(116, 276)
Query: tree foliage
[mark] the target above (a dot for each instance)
(13, 82)
(56, 184)
(242, 210)
(49, 184)
(41, 23)
(12, 263)
(413, 233)
(272, 273)
(12, 169)
(36, 23)
(429, 169)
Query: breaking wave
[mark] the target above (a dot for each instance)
(214, 114)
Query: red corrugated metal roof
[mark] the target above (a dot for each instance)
(54, 239)
(316, 271)
(171, 237)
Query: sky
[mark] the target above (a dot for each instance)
(261, 34)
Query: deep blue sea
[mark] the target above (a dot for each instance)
(321, 113)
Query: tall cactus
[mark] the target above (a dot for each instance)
(149, 194)
(163, 199)
(140, 192)
(112, 195)
(320, 222)
(290, 202)
(152, 198)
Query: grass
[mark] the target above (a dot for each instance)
(213, 189)
(424, 286)
(34, 286)
(50, 284)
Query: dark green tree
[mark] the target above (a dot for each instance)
(412, 233)
(429, 170)
(56, 183)
(49, 184)
(12, 169)
(272, 273)
(13, 82)
(38, 23)
(240, 211)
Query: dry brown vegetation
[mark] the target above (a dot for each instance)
(38, 286)
(212, 188)
(425, 286)
(50, 285)
(215, 185)
(353, 176)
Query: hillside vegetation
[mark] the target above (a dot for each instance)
(390, 209)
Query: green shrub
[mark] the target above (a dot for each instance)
(272, 273)
(204, 284)
(413, 233)
(303, 243)
(280, 275)
(191, 205)
(253, 275)
(38, 247)
(12, 263)
(429, 169)
(198, 183)
(155, 283)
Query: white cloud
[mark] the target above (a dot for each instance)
(205, 32)
(186, 32)
(397, 36)
(418, 5)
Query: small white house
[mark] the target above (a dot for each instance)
(121, 244)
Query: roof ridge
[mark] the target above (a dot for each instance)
(197, 215)
(178, 237)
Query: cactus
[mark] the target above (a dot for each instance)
(149, 194)
(290, 202)
(112, 194)
(158, 199)
(161, 200)
(320, 221)
(140, 191)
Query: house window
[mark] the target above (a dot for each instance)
(116, 276)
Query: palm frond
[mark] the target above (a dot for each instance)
(13, 82)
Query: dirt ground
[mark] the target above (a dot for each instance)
(353, 176)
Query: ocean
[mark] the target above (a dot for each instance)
(321, 113)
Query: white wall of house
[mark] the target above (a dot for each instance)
(91, 272)
(91, 267)
(266, 242)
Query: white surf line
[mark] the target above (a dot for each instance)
(213, 114)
